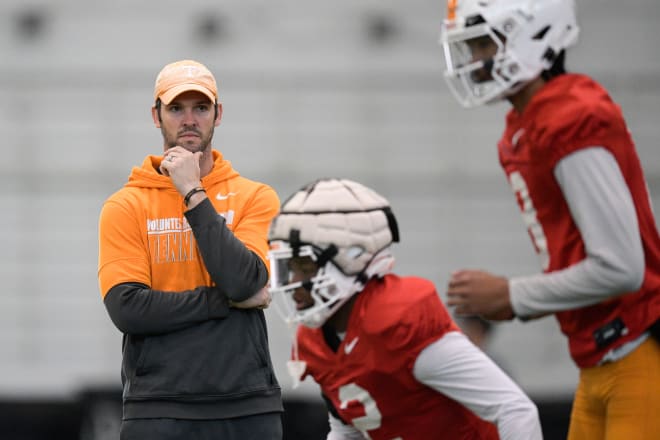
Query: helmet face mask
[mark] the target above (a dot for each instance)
(280, 257)
(328, 287)
(528, 34)
(472, 79)
(346, 230)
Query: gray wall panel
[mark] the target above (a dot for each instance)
(307, 93)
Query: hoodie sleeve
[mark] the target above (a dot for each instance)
(235, 260)
(135, 309)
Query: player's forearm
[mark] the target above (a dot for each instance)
(456, 368)
(603, 210)
(137, 310)
(589, 282)
(236, 270)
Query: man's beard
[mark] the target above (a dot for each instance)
(204, 142)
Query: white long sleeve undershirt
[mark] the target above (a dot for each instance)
(458, 369)
(602, 207)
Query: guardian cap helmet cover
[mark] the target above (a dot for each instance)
(346, 229)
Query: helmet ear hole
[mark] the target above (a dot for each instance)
(354, 252)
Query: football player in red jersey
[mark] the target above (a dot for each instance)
(389, 359)
(577, 178)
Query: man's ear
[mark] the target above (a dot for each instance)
(218, 114)
(155, 116)
(155, 113)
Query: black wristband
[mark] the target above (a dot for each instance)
(186, 199)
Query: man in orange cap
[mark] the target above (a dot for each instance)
(182, 269)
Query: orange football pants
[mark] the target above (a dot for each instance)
(619, 400)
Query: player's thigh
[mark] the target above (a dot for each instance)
(588, 413)
(634, 405)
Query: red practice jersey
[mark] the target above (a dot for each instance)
(569, 113)
(369, 379)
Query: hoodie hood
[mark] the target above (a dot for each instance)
(147, 175)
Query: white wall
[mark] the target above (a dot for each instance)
(306, 94)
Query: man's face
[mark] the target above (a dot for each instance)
(302, 269)
(482, 49)
(188, 121)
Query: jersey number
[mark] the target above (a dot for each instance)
(529, 217)
(372, 418)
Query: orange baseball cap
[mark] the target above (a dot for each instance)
(183, 76)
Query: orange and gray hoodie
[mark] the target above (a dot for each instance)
(166, 275)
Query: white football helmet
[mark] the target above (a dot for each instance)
(346, 229)
(529, 34)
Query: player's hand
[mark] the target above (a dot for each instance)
(182, 167)
(475, 292)
(260, 300)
